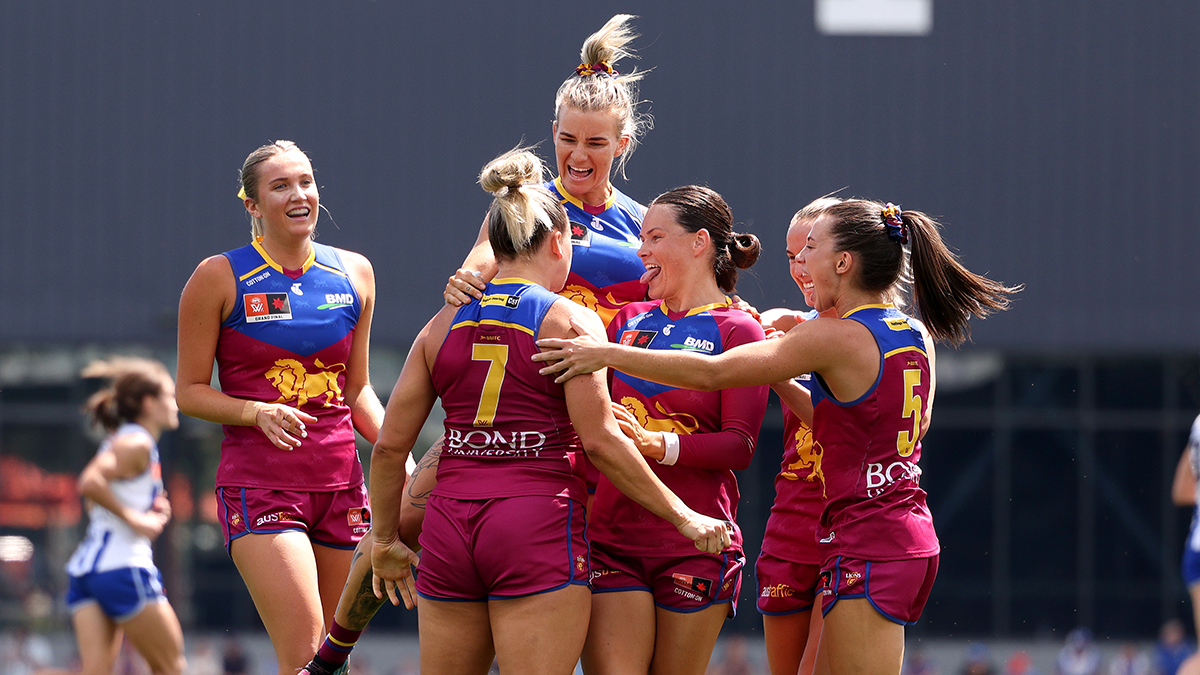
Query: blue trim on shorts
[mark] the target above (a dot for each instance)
(867, 589)
(571, 579)
(623, 589)
(126, 588)
(695, 609)
(246, 520)
(789, 613)
(440, 599)
(865, 594)
(758, 585)
(321, 543)
(728, 601)
(837, 573)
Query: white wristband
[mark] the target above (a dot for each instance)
(671, 440)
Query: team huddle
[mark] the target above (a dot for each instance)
(601, 383)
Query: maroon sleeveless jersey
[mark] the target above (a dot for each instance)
(870, 453)
(507, 429)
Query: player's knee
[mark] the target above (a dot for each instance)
(166, 663)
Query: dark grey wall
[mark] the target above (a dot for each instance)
(1058, 141)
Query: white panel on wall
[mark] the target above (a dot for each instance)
(874, 17)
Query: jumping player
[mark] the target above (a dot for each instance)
(115, 587)
(871, 379)
(657, 604)
(512, 468)
(597, 123)
(288, 322)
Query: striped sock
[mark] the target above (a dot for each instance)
(337, 646)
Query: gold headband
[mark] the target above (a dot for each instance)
(242, 193)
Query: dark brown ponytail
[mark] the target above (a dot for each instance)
(131, 381)
(700, 208)
(947, 294)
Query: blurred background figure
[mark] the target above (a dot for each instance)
(1173, 647)
(979, 661)
(23, 652)
(203, 659)
(735, 659)
(1020, 664)
(919, 663)
(1129, 660)
(1079, 656)
(234, 661)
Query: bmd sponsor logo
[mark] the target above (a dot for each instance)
(336, 300)
(697, 345)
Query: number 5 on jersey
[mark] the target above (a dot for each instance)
(489, 398)
(906, 442)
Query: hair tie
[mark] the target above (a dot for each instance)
(242, 193)
(585, 69)
(896, 228)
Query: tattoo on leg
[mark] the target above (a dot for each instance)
(364, 606)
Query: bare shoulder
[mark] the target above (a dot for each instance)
(429, 340)
(131, 448)
(215, 268)
(359, 268)
(212, 284)
(557, 323)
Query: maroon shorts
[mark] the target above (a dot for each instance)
(897, 590)
(336, 519)
(785, 587)
(495, 549)
(686, 583)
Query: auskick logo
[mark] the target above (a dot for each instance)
(335, 300)
(267, 307)
(638, 338)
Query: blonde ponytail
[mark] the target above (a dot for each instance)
(596, 86)
(523, 211)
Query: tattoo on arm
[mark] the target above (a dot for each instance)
(428, 461)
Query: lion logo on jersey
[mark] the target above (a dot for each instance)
(585, 297)
(295, 383)
(809, 452)
(675, 422)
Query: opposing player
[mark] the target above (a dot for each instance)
(1183, 493)
(115, 587)
(871, 380)
(657, 604)
(288, 322)
(512, 469)
(597, 124)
